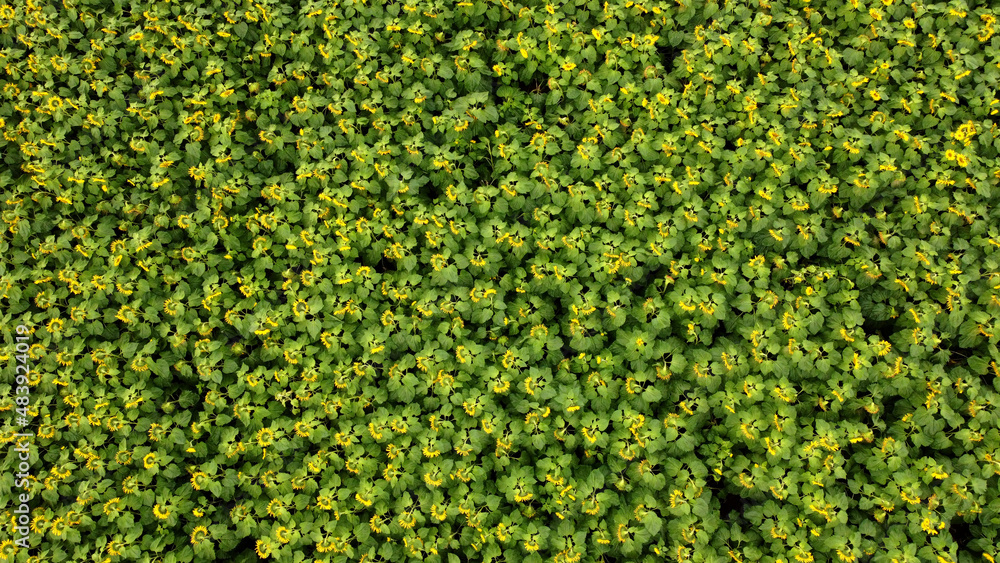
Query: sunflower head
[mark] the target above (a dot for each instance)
(129, 484)
(239, 513)
(7, 550)
(265, 437)
(198, 479)
(58, 526)
(263, 549)
(324, 502)
(199, 534)
(161, 512)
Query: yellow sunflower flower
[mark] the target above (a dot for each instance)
(199, 534)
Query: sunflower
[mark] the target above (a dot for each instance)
(198, 479)
(324, 502)
(274, 507)
(149, 460)
(156, 432)
(129, 484)
(103, 370)
(326, 339)
(199, 534)
(267, 479)
(309, 375)
(300, 307)
(108, 505)
(58, 527)
(140, 365)
(263, 549)
(440, 513)
(325, 546)
(126, 314)
(162, 514)
(283, 534)
(38, 524)
(302, 429)
(265, 437)
(239, 513)
(114, 548)
(123, 457)
(115, 423)
(170, 307)
(64, 358)
(407, 521)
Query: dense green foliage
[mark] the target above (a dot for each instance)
(492, 281)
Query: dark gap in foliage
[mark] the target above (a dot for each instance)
(654, 273)
(667, 55)
(567, 352)
(961, 532)
(881, 328)
(246, 546)
(732, 507)
(889, 407)
(559, 310)
(959, 355)
(233, 338)
(535, 86)
(384, 266)
(638, 287)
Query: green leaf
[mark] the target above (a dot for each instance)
(652, 523)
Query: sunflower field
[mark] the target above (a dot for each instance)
(500, 281)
